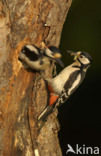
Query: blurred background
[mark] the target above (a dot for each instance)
(80, 117)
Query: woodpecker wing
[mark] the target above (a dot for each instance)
(70, 86)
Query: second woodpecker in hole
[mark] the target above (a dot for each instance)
(40, 59)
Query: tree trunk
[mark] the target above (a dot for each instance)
(22, 95)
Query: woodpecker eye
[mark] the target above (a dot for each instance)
(81, 56)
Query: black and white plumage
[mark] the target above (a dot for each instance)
(67, 81)
(40, 59)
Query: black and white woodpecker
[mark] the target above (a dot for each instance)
(40, 59)
(66, 82)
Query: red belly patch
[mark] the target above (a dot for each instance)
(52, 99)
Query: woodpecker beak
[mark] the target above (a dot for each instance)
(75, 54)
(57, 55)
(60, 62)
(57, 58)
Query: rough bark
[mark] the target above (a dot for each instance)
(22, 95)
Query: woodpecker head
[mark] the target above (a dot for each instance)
(54, 54)
(82, 57)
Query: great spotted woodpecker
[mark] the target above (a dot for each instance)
(66, 82)
(40, 59)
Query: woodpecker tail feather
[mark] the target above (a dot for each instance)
(43, 116)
